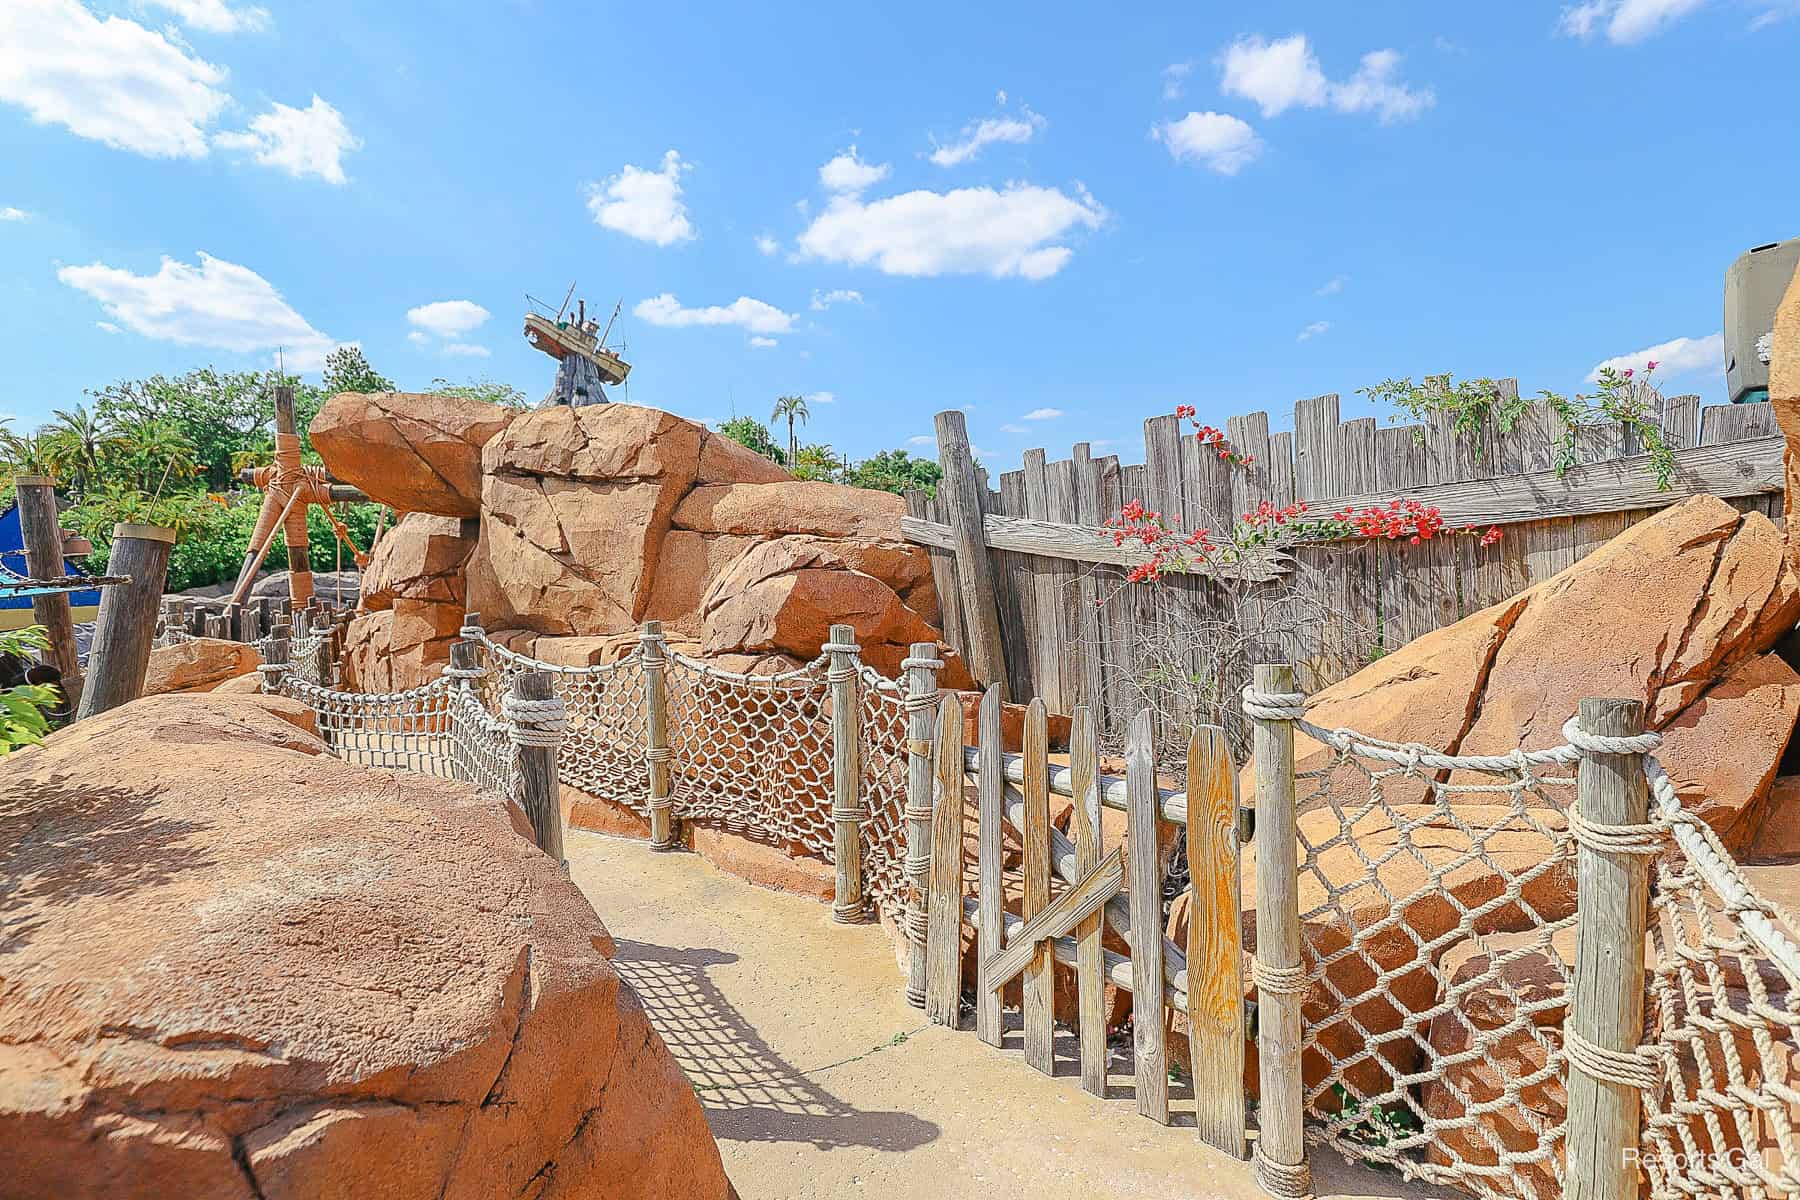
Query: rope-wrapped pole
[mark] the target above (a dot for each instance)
(1606, 1014)
(41, 528)
(656, 736)
(120, 651)
(846, 772)
(921, 666)
(1280, 1159)
(536, 721)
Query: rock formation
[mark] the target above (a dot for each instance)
(1784, 395)
(594, 520)
(199, 665)
(314, 981)
(413, 452)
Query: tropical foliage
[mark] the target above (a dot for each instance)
(24, 707)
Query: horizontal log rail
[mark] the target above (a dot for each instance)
(1079, 543)
(1171, 804)
(1118, 967)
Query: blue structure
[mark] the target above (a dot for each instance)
(15, 610)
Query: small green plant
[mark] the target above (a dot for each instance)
(1472, 404)
(1374, 1124)
(23, 707)
(1619, 401)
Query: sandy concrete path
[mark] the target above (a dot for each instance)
(820, 1081)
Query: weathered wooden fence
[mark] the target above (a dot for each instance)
(1024, 578)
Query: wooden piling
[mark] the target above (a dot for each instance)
(921, 684)
(1040, 976)
(1281, 1148)
(275, 654)
(656, 736)
(1090, 966)
(126, 627)
(1148, 989)
(1215, 1007)
(42, 529)
(990, 899)
(319, 625)
(960, 500)
(1607, 1008)
(537, 771)
(846, 774)
(943, 967)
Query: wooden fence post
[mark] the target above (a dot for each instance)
(537, 737)
(960, 493)
(41, 527)
(275, 661)
(1039, 995)
(120, 651)
(1090, 967)
(846, 773)
(1148, 988)
(990, 911)
(1607, 1009)
(1280, 1160)
(323, 663)
(943, 980)
(921, 667)
(1215, 998)
(656, 736)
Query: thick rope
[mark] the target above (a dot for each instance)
(1647, 839)
(1627, 1068)
(1594, 743)
(537, 723)
(1278, 981)
(1289, 1181)
(1274, 706)
(840, 648)
(930, 664)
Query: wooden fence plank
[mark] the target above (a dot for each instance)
(1059, 478)
(1092, 639)
(991, 806)
(1084, 764)
(1315, 429)
(1281, 469)
(1080, 901)
(962, 494)
(1019, 593)
(1250, 485)
(1040, 979)
(943, 947)
(1722, 423)
(1215, 1007)
(921, 507)
(1147, 991)
(1046, 643)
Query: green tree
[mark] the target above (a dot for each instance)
(75, 442)
(817, 461)
(347, 370)
(752, 433)
(220, 413)
(487, 391)
(794, 409)
(895, 471)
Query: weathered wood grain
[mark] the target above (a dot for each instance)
(1040, 979)
(990, 852)
(943, 943)
(1147, 992)
(1215, 999)
(1084, 767)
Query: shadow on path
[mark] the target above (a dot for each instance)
(749, 1091)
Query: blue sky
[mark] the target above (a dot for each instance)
(1062, 219)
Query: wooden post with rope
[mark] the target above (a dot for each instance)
(41, 529)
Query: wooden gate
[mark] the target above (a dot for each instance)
(1075, 888)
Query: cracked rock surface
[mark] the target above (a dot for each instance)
(418, 452)
(233, 966)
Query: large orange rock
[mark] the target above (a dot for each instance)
(416, 591)
(1677, 611)
(415, 452)
(198, 665)
(315, 981)
(793, 613)
(1784, 398)
(421, 558)
(794, 506)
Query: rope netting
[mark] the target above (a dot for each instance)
(749, 753)
(1438, 915)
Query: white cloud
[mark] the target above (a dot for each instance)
(419, 337)
(300, 141)
(848, 174)
(754, 316)
(1043, 414)
(1014, 429)
(217, 304)
(1220, 142)
(1623, 21)
(1332, 286)
(824, 300)
(965, 231)
(1175, 79)
(766, 244)
(216, 16)
(1313, 331)
(107, 327)
(14, 214)
(644, 204)
(1677, 356)
(923, 439)
(447, 318)
(111, 81)
(467, 350)
(763, 343)
(977, 135)
(821, 397)
(1285, 74)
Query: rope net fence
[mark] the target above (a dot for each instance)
(747, 753)
(1439, 918)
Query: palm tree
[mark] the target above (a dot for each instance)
(793, 408)
(75, 442)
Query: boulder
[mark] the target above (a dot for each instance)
(1784, 398)
(400, 647)
(414, 452)
(421, 558)
(316, 981)
(1778, 837)
(198, 665)
(1678, 610)
(793, 614)
(416, 594)
(793, 506)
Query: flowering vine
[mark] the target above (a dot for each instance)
(1212, 439)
